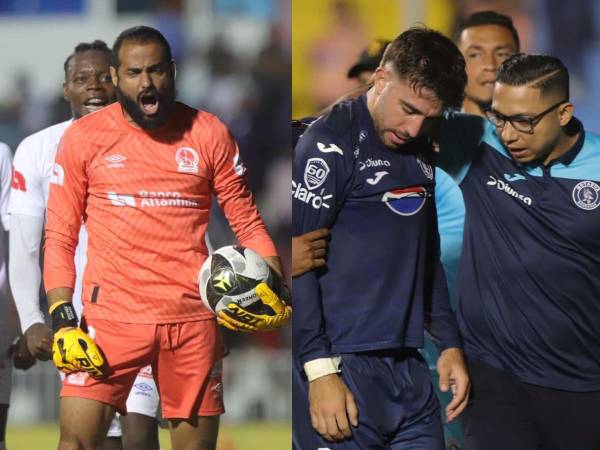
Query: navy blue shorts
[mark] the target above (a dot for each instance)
(397, 405)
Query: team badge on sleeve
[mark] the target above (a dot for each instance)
(586, 195)
(315, 173)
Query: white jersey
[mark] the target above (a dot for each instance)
(33, 170)
(7, 330)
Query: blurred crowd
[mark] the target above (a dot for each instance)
(568, 30)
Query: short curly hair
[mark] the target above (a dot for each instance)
(428, 59)
(82, 47)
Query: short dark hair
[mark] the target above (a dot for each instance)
(546, 73)
(481, 18)
(428, 59)
(82, 47)
(142, 34)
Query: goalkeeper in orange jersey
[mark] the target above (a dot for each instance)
(140, 293)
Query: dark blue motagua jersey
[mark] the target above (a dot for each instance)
(529, 276)
(383, 279)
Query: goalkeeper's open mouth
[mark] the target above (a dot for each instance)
(149, 103)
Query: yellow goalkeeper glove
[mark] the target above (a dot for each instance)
(73, 350)
(237, 318)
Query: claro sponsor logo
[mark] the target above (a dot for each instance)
(317, 200)
(504, 186)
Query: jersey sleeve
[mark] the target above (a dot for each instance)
(66, 204)
(233, 194)
(321, 175)
(460, 139)
(27, 190)
(5, 183)
(439, 320)
(24, 270)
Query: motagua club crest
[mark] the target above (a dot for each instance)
(586, 195)
(187, 160)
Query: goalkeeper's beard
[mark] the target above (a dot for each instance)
(166, 99)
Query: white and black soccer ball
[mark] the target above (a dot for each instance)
(231, 274)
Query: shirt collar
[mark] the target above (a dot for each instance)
(575, 126)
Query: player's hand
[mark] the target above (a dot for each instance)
(454, 376)
(75, 351)
(308, 251)
(332, 407)
(38, 338)
(21, 357)
(237, 318)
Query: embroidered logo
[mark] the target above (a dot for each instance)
(187, 160)
(115, 161)
(586, 196)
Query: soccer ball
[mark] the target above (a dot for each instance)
(230, 274)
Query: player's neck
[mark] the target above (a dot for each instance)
(471, 107)
(563, 145)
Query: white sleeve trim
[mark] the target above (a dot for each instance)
(24, 270)
(320, 367)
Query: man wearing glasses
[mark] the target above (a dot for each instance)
(528, 284)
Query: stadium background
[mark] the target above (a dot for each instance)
(328, 36)
(233, 59)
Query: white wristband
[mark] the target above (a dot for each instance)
(320, 367)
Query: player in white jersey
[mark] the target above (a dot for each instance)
(9, 328)
(87, 88)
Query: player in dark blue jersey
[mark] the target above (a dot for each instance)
(528, 284)
(364, 171)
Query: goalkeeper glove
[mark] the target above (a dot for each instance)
(73, 350)
(237, 318)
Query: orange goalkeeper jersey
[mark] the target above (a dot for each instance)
(144, 197)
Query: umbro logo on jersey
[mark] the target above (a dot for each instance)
(513, 177)
(377, 178)
(331, 149)
(115, 161)
(144, 387)
(187, 160)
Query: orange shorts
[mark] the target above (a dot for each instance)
(186, 361)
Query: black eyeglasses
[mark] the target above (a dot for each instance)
(519, 123)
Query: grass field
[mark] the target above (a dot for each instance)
(257, 436)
